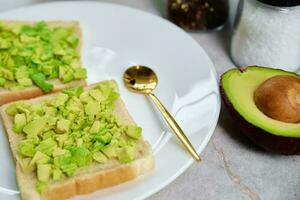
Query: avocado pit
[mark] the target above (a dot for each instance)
(279, 98)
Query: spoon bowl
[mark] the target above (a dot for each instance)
(140, 79)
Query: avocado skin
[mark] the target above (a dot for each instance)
(268, 141)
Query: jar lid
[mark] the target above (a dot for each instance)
(281, 3)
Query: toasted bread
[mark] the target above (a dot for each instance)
(87, 179)
(8, 95)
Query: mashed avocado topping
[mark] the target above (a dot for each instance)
(71, 130)
(34, 54)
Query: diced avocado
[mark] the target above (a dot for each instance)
(48, 70)
(95, 146)
(75, 91)
(61, 139)
(50, 111)
(40, 80)
(38, 109)
(63, 125)
(59, 152)
(25, 82)
(73, 40)
(43, 172)
(68, 77)
(57, 175)
(11, 109)
(47, 146)
(25, 165)
(26, 148)
(96, 94)
(85, 97)
(95, 127)
(99, 157)
(41, 186)
(92, 108)
(34, 127)
(48, 134)
(39, 158)
(109, 151)
(80, 73)
(23, 107)
(105, 138)
(4, 44)
(69, 169)
(7, 74)
(126, 154)
(134, 131)
(2, 82)
(81, 156)
(19, 122)
(79, 142)
(66, 164)
(59, 100)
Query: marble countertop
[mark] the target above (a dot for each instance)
(233, 168)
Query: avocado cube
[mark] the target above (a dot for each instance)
(99, 157)
(134, 131)
(63, 125)
(39, 158)
(95, 127)
(25, 82)
(43, 172)
(26, 148)
(109, 151)
(57, 175)
(80, 73)
(11, 109)
(126, 154)
(47, 146)
(34, 127)
(19, 122)
(59, 100)
(92, 108)
(97, 95)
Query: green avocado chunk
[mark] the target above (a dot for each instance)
(134, 131)
(43, 172)
(63, 125)
(47, 146)
(27, 148)
(40, 80)
(126, 154)
(99, 157)
(19, 122)
(34, 127)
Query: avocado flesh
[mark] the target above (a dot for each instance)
(239, 87)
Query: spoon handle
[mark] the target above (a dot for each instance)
(175, 127)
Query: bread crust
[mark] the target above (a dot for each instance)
(7, 95)
(86, 180)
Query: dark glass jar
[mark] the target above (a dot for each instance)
(198, 14)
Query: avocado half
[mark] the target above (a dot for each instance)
(237, 89)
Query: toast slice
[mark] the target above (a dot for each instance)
(8, 95)
(88, 179)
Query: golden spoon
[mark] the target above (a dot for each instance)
(141, 79)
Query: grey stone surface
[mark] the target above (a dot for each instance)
(233, 168)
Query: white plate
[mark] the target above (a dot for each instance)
(116, 37)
